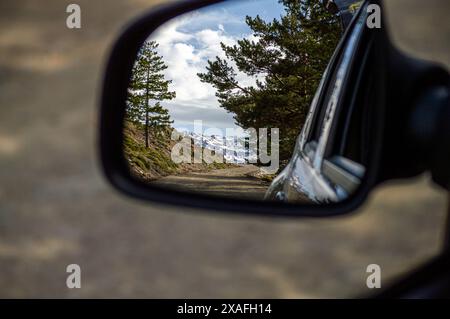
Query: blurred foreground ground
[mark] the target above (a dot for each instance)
(56, 209)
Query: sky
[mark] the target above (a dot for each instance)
(187, 42)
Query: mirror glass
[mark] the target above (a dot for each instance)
(228, 101)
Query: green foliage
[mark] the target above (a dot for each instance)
(147, 88)
(288, 60)
(154, 160)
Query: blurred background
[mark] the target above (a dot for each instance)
(56, 208)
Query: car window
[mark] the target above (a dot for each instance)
(352, 126)
(326, 88)
(323, 133)
(319, 111)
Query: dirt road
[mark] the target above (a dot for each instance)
(229, 182)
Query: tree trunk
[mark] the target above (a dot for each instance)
(146, 106)
(146, 129)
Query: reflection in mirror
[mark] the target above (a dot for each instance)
(219, 96)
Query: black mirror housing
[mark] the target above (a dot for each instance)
(118, 72)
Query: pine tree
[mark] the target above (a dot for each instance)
(159, 117)
(147, 88)
(288, 59)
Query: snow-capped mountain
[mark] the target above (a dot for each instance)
(233, 148)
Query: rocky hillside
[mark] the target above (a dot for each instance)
(154, 162)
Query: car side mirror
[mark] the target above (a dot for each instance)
(265, 107)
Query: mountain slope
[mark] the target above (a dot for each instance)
(155, 161)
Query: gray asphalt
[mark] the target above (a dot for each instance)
(56, 208)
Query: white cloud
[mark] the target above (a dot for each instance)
(186, 54)
(169, 33)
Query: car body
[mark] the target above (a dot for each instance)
(316, 173)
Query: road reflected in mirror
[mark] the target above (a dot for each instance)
(231, 101)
